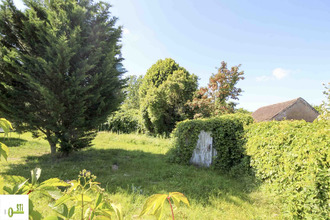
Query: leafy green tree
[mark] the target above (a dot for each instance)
(164, 92)
(123, 121)
(132, 99)
(318, 108)
(243, 111)
(60, 69)
(215, 98)
(126, 119)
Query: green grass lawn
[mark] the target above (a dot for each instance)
(142, 171)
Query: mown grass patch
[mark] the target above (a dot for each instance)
(142, 171)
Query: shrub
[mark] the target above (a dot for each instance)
(228, 140)
(245, 119)
(122, 122)
(293, 158)
(164, 92)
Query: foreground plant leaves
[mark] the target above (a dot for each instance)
(155, 203)
(6, 126)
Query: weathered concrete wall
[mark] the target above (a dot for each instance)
(204, 152)
(298, 111)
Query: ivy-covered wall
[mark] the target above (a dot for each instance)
(228, 140)
(292, 157)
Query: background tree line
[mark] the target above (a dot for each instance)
(61, 77)
(168, 93)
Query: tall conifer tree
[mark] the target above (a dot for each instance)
(60, 68)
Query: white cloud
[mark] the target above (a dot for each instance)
(280, 73)
(277, 74)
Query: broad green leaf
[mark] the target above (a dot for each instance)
(53, 193)
(1, 185)
(98, 200)
(65, 211)
(30, 205)
(33, 214)
(14, 179)
(5, 125)
(117, 211)
(92, 215)
(63, 199)
(85, 198)
(4, 151)
(8, 190)
(17, 187)
(104, 213)
(158, 212)
(53, 182)
(153, 203)
(179, 197)
(52, 218)
(35, 175)
(61, 210)
(71, 212)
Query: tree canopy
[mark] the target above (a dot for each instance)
(132, 99)
(215, 98)
(164, 92)
(60, 68)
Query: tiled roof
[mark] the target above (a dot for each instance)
(267, 113)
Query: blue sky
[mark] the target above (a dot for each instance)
(283, 46)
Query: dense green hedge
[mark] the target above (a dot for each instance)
(122, 122)
(293, 157)
(227, 132)
(245, 119)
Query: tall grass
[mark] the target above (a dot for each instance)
(142, 171)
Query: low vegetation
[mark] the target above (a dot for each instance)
(292, 158)
(133, 167)
(61, 79)
(122, 121)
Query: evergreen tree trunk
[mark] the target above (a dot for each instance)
(52, 142)
(52, 148)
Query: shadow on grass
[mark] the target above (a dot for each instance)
(139, 173)
(12, 142)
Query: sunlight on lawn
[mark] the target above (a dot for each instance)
(143, 170)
